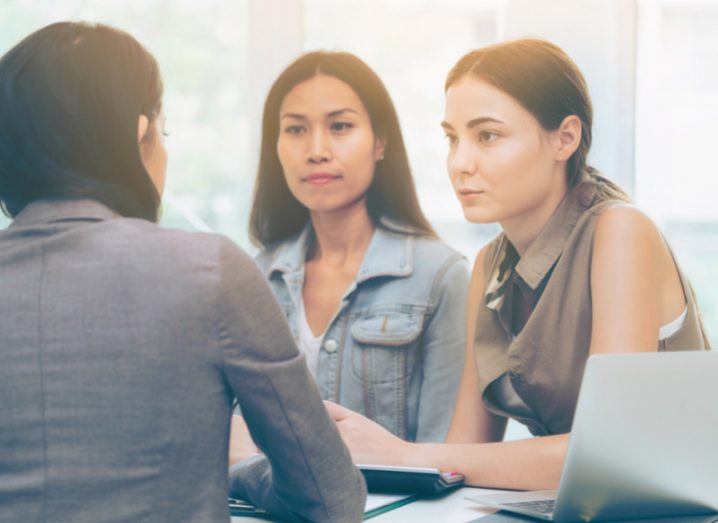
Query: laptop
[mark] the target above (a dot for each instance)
(644, 442)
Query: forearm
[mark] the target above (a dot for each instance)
(531, 464)
(312, 474)
(241, 445)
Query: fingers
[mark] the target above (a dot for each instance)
(337, 412)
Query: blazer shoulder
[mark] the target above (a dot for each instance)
(176, 250)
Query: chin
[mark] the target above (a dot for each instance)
(329, 204)
(478, 215)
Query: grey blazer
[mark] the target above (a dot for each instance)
(122, 347)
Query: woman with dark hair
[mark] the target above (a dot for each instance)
(124, 344)
(374, 299)
(577, 270)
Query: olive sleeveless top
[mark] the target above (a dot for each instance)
(532, 371)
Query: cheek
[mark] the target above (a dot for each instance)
(287, 154)
(356, 159)
(516, 171)
(283, 153)
(449, 170)
(165, 159)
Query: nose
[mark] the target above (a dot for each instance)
(319, 148)
(462, 160)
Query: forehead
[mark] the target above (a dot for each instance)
(319, 95)
(472, 97)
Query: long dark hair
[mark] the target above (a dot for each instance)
(276, 213)
(544, 80)
(71, 95)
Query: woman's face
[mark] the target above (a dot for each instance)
(501, 161)
(326, 144)
(153, 151)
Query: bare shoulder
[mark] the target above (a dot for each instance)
(623, 228)
(629, 251)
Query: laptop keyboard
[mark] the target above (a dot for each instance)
(543, 506)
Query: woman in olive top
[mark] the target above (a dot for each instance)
(577, 270)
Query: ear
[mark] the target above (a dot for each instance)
(143, 125)
(379, 146)
(568, 137)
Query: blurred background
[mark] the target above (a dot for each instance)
(651, 65)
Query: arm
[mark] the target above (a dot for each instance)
(307, 472)
(626, 284)
(627, 281)
(472, 422)
(442, 350)
(241, 445)
(629, 274)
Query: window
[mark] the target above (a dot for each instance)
(202, 51)
(412, 45)
(676, 111)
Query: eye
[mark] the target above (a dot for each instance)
(488, 136)
(451, 139)
(341, 126)
(294, 129)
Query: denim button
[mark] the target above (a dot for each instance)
(330, 345)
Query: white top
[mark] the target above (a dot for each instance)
(669, 329)
(309, 344)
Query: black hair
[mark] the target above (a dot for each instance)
(71, 95)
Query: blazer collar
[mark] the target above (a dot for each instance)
(48, 211)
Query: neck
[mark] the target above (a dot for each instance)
(522, 229)
(342, 234)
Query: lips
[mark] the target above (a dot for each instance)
(320, 178)
(466, 191)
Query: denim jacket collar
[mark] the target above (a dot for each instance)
(390, 252)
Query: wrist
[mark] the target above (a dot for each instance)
(406, 453)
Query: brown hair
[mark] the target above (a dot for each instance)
(544, 80)
(276, 213)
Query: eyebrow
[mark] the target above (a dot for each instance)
(473, 123)
(330, 115)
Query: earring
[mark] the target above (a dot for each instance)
(381, 157)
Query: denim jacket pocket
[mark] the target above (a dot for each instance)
(382, 339)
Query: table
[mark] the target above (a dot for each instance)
(455, 508)
(451, 508)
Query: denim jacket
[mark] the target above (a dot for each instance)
(394, 351)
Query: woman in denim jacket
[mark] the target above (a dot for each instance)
(375, 300)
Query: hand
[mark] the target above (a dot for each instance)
(368, 442)
(241, 445)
